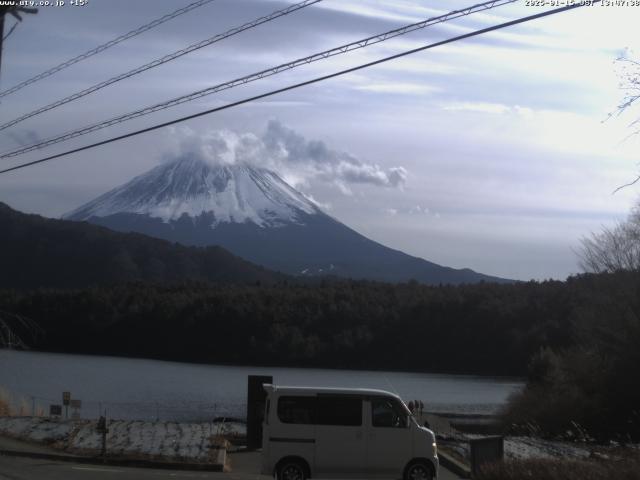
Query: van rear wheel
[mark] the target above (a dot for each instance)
(419, 470)
(291, 470)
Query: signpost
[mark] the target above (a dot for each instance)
(76, 405)
(66, 398)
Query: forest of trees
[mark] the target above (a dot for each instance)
(576, 341)
(485, 328)
(589, 388)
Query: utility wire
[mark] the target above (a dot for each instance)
(104, 46)
(302, 84)
(13, 27)
(259, 75)
(163, 60)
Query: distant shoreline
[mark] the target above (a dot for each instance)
(505, 378)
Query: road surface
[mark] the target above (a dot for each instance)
(244, 465)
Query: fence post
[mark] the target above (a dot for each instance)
(484, 451)
(103, 430)
(256, 397)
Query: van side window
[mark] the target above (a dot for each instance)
(300, 410)
(339, 410)
(385, 412)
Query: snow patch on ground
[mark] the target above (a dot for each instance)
(170, 441)
(530, 447)
(520, 448)
(515, 447)
(35, 429)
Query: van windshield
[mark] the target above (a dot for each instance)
(389, 412)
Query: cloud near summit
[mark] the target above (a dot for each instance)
(285, 151)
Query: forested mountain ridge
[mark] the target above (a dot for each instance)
(42, 252)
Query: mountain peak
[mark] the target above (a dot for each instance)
(229, 193)
(256, 215)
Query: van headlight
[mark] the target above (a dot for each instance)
(435, 448)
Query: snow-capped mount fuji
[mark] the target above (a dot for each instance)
(192, 187)
(256, 215)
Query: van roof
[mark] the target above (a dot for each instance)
(331, 390)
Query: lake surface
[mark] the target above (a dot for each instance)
(151, 389)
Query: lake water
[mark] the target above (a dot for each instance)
(151, 389)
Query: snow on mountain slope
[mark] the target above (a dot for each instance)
(254, 214)
(232, 193)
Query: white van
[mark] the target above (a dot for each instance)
(343, 433)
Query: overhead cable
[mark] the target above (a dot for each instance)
(162, 60)
(301, 84)
(259, 75)
(104, 46)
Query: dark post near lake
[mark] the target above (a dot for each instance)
(66, 399)
(485, 451)
(256, 397)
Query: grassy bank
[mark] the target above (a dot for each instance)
(11, 405)
(5, 404)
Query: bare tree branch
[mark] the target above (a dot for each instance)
(629, 74)
(613, 249)
(637, 179)
(13, 329)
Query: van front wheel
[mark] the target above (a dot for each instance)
(291, 470)
(419, 470)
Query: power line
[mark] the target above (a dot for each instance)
(302, 84)
(104, 46)
(259, 75)
(15, 11)
(163, 60)
(13, 27)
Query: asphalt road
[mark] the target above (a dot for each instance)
(244, 467)
(14, 468)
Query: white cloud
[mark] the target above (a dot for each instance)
(483, 107)
(419, 210)
(216, 147)
(405, 11)
(326, 206)
(379, 11)
(404, 88)
(412, 210)
(488, 107)
(278, 103)
(421, 65)
(287, 152)
(288, 149)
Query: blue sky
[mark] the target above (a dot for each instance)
(506, 158)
